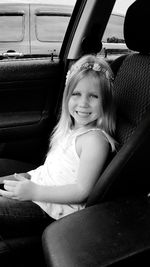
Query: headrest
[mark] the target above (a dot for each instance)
(136, 26)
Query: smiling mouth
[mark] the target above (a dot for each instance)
(83, 113)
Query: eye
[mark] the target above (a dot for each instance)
(76, 93)
(93, 96)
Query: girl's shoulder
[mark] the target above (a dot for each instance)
(97, 136)
(92, 139)
(94, 136)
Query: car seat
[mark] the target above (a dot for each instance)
(128, 172)
(111, 205)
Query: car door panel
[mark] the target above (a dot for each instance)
(28, 91)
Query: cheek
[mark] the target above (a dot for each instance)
(97, 107)
(98, 111)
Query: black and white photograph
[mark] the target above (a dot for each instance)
(74, 133)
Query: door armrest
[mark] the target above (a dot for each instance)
(101, 235)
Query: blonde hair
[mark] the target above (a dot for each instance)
(100, 70)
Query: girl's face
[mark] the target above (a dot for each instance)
(85, 103)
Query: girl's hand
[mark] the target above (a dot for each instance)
(22, 189)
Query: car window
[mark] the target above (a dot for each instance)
(113, 38)
(45, 33)
(36, 27)
(9, 21)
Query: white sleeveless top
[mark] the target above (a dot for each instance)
(61, 168)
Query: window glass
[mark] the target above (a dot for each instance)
(11, 27)
(113, 38)
(114, 30)
(51, 27)
(33, 27)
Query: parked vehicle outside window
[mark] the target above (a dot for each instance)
(30, 28)
(36, 28)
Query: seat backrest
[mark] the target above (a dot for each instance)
(132, 93)
(127, 173)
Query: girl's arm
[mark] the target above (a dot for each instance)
(94, 150)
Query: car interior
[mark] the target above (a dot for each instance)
(113, 229)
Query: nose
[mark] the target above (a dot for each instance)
(83, 101)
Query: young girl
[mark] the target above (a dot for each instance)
(79, 147)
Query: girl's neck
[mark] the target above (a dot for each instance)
(86, 127)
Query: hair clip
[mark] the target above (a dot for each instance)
(89, 66)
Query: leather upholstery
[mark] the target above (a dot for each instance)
(112, 234)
